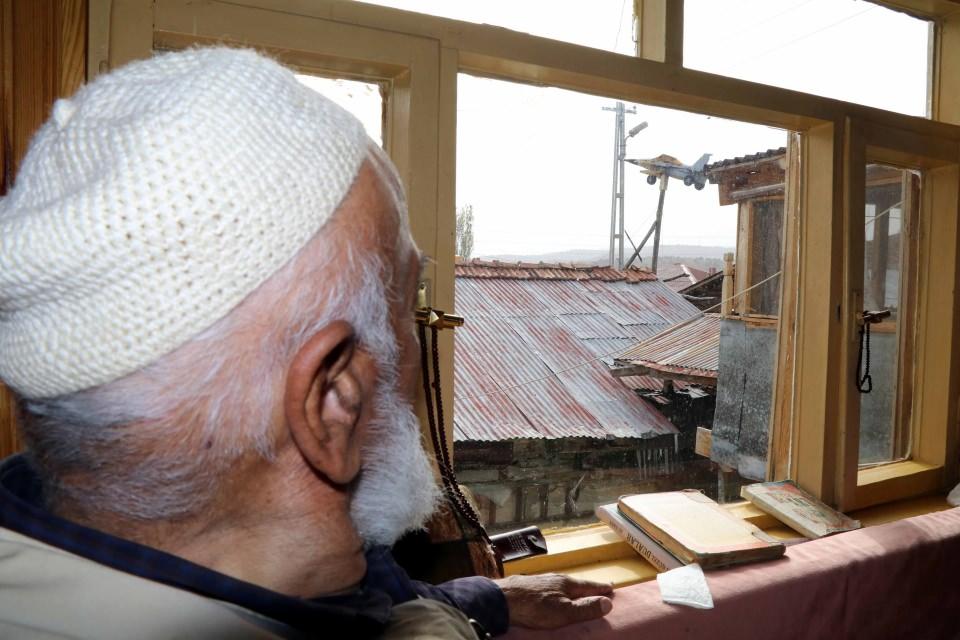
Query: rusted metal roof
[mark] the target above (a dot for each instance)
(699, 284)
(545, 271)
(680, 276)
(532, 360)
(695, 274)
(691, 348)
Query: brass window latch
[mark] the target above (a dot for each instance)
(430, 317)
(427, 316)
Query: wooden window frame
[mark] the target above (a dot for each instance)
(933, 241)
(744, 278)
(422, 55)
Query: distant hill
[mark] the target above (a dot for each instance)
(693, 255)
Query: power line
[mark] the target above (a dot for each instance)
(754, 56)
(620, 25)
(732, 36)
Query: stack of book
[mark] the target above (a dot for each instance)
(675, 528)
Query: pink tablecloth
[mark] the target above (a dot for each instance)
(899, 580)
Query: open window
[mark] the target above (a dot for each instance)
(861, 52)
(902, 203)
(885, 356)
(815, 413)
(366, 100)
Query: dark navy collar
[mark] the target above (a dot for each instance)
(363, 613)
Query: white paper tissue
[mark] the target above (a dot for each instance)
(954, 496)
(687, 586)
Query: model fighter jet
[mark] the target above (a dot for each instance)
(664, 165)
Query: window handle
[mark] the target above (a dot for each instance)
(864, 379)
(875, 317)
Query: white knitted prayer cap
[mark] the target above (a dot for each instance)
(152, 203)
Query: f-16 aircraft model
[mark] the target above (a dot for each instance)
(664, 165)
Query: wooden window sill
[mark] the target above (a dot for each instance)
(594, 552)
(896, 481)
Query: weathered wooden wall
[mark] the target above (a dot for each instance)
(741, 424)
(43, 53)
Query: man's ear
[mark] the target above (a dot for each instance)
(323, 401)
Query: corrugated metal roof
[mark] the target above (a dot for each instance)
(545, 271)
(527, 358)
(693, 288)
(692, 347)
(650, 386)
(695, 274)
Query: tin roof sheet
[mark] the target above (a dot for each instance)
(545, 271)
(530, 359)
(691, 347)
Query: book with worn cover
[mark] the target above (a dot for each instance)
(660, 558)
(797, 509)
(694, 528)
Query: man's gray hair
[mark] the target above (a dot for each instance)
(155, 444)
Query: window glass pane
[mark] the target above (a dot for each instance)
(854, 51)
(544, 432)
(362, 99)
(890, 194)
(600, 24)
(766, 218)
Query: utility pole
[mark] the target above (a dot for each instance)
(656, 236)
(620, 137)
(654, 228)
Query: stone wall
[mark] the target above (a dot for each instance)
(560, 482)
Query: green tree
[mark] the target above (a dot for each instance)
(464, 230)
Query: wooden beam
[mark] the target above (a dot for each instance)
(945, 54)
(704, 442)
(6, 95)
(642, 370)
(816, 421)
(502, 53)
(72, 46)
(925, 9)
(782, 416)
(703, 446)
(42, 57)
(727, 293)
(744, 264)
(659, 26)
(753, 192)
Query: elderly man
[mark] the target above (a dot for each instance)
(206, 288)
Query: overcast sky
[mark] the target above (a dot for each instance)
(536, 163)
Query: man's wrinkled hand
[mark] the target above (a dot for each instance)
(553, 600)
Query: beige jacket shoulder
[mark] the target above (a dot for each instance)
(50, 593)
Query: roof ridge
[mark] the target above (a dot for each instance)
(477, 268)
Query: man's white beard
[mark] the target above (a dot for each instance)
(396, 491)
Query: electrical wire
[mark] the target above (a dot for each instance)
(763, 54)
(735, 36)
(675, 326)
(620, 25)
